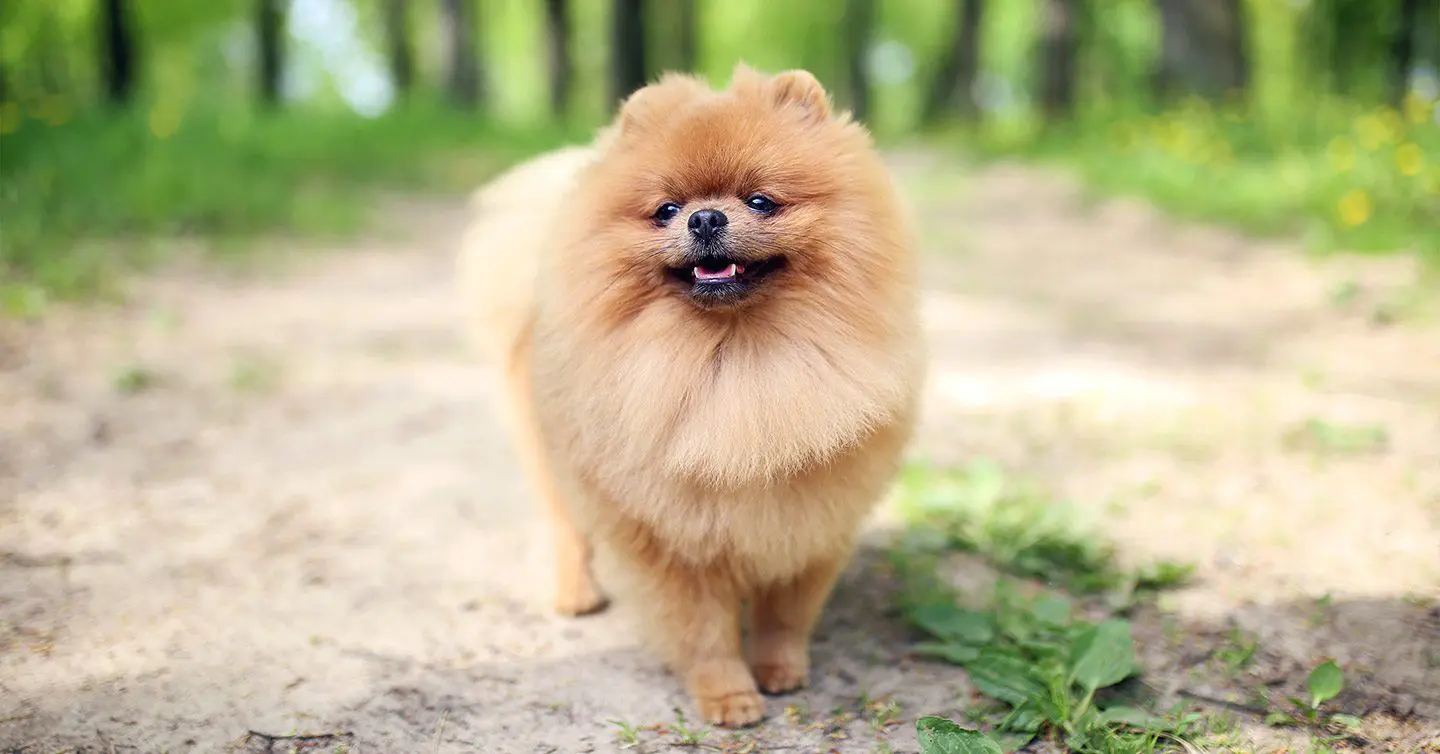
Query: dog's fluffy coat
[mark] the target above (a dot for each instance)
(727, 455)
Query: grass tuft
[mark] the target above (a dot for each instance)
(1343, 175)
(83, 200)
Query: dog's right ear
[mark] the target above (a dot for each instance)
(800, 88)
(654, 101)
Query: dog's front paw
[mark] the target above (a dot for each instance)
(781, 677)
(577, 597)
(735, 710)
(725, 692)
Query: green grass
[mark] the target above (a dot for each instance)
(980, 508)
(1050, 650)
(1342, 176)
(1050, 672)
(83, 198)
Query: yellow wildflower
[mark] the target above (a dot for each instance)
(1373, 132)
(1341, 153)
(9, 118)
(1354, 208)
(164, 120)
(1394, 124)
(53, 109)
(1418, 108)
(1409, 159)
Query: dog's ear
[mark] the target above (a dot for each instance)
(657, 100)
(799, 88)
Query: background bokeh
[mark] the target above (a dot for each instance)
(126, 120)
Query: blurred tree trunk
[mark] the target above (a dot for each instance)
(672, 33)
(462, 71)
(117, 51)
(1402, 50)
(1353, 44)
(397, 40)
(557, 55)
(1058, 37)
(859, 24)
(627, 48)
(688, 32)
(1202, 48)
(954, 83)
(270, 28)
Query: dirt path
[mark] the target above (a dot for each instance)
(281, 503)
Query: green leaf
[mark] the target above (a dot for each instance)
(1026, 718)
(1103, 655)
(938, 735)
(1012, 742)
(955, 623)
(1052, 610)
(1279, 717)
(1004, 676)
(1326, 680)
(1350, 722)
(956, 653)
(1135, 718)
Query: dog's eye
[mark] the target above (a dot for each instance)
(666, 212)
(761, 203)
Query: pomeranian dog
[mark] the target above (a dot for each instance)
(707, 322)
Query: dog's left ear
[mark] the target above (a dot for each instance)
(800, 88)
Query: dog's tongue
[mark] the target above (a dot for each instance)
(706, 273)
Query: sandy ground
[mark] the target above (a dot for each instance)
(246, 506)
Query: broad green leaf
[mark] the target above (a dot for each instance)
(956, 653)
(1351, 722)
(1135, 718)
(1026, 718)
(1278, 717)
(1004, 676)
(938, 735)
(1326, 680)
(1052, 610)
(1103, 656)
(950, 621)
(1013, 742)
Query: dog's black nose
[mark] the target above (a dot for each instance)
(706, 223)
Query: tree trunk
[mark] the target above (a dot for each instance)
(117, 51)
(397, 40)
(270, 28)
(1402, 50)
(462, 76)
(671, 33)
(560, 66)
(1202, 48)
(955, 80)
(859, 22)
(627, 48)
(1057, 57)
(688, 24)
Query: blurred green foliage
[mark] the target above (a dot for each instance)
(1344, 175)
(1309, 147)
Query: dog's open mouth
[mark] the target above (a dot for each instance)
(721, 280)
(719, 271)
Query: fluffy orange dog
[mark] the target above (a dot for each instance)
(708, 324)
